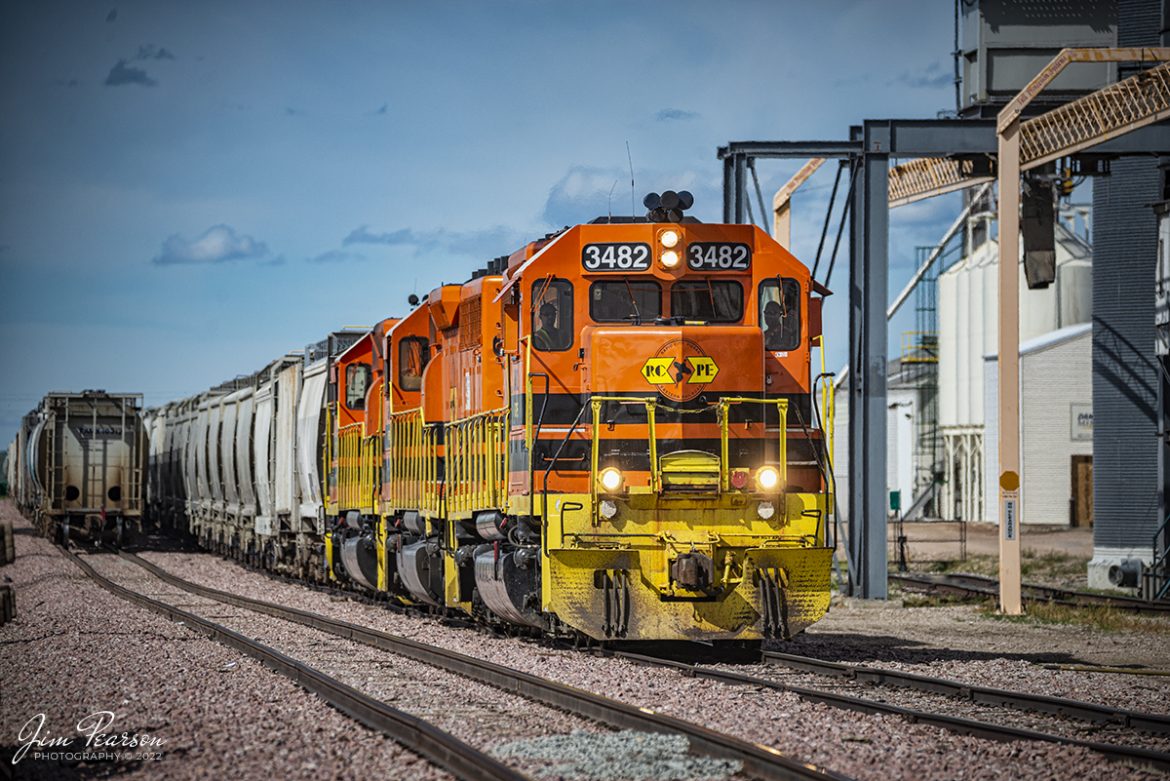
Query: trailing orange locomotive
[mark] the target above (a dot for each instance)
(612, 432)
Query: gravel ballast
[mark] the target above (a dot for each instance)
(959, 643)
(865, 747)
(76, 650)
(477, 714)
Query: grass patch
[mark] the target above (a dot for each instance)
(1052, 565)
(975, 565)
(1102, 618)
(1049, 568)
(941, 600)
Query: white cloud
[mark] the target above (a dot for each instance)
(218, 244)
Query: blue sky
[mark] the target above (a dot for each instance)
(188, 190)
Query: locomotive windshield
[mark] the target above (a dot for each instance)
(710, 300)
(617, 301)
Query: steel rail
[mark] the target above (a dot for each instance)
(985, 695)
(758, 760)
(984, 586)
(442, 748)
(963, 726)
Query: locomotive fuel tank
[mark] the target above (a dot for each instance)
(509, 583)
(420, 566)
(359, 557)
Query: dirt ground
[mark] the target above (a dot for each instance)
(884, 630)
(919, 629)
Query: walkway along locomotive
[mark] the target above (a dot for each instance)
(612, 432)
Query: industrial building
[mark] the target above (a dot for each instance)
(1076, 81)
(967, 334)
(941, 389)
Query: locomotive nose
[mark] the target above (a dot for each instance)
(683, 364)
(695, 380)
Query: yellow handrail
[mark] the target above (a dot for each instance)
(595, 403)
(829, 405)
(527, 391)
(412, 479)
(725, 405)
(477, 461)
(359, 468)
(651, 405)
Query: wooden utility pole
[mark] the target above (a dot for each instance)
(1107, 113)
(1009, 369)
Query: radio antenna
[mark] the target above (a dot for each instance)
(609, 208)
(633, 200)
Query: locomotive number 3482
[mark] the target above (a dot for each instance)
(719, 256)
(633, 256)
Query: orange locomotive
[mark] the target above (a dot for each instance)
(612, 432)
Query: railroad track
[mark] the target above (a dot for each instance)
(982, 586)
(445, 750)
(1153, 723)
(965, 726)
(758, 760)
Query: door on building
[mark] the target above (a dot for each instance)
(1082, 491)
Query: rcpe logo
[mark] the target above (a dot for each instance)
(680, 370)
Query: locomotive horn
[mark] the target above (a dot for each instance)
(651, 201)
(685, 200)
(669, 200)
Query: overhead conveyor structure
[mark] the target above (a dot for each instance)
(1112, 111)
(938, 156)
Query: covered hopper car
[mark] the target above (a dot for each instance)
(614, 432)
(77, 465)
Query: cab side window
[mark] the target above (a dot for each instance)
(357, 381)
(780, 314)
(412, 359)
(552, 315)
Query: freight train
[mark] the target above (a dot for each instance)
(612, 433)
(76, 467)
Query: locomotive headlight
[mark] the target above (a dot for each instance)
(669, 239)
(767, 478)
(608, 509)
(668, 259)
(610, 480)
(765, 510)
